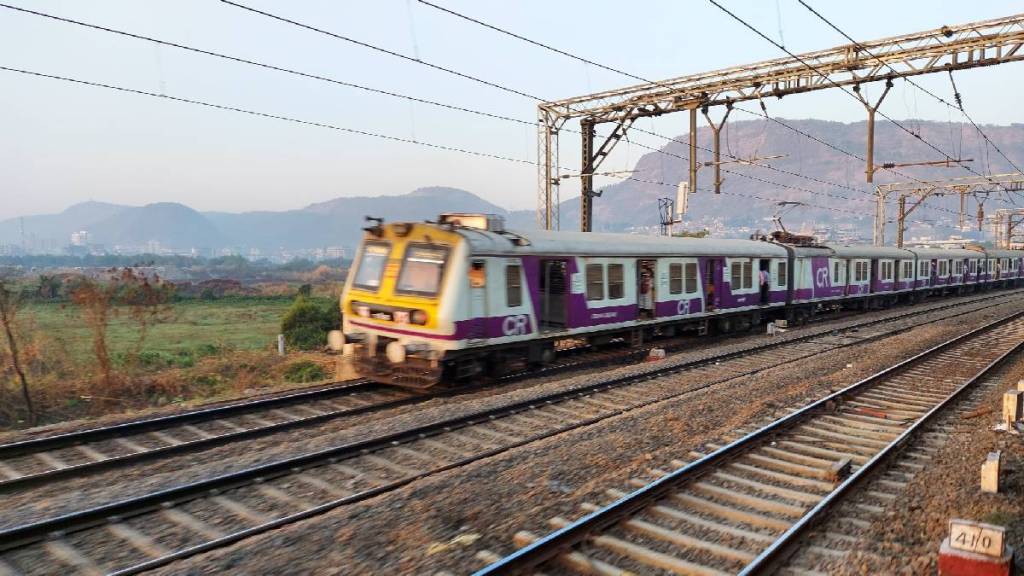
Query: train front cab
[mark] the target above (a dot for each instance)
(396, 321)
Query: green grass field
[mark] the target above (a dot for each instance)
(228, 324)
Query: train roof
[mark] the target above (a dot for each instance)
(999, 253)
(947, 253)
(874, 252)
(548, 242)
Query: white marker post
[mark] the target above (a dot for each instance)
(1013, 407)
(990, 472)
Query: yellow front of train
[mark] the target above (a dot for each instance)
(396, 307)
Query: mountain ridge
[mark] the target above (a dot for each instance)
(833, 192)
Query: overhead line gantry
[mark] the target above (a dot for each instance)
(949, 48)
(978, 187)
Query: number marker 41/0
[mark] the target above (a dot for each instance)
(977, 537)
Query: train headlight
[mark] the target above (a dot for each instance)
(395, 352)
(418, 317)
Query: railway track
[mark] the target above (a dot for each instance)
(747, 506)
(38, 461)
(141, 533)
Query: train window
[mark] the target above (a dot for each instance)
(782, 275)
(422, 270)
(675, 278)
(513, 285)
(860, 271)
(942, 267)
(371, 265)
(972, 266)
(908, 270)
(595, 281)
(691, 277)
(741, 276)
(924, 269)
(615, 282)
(886, 271)
(837, 274)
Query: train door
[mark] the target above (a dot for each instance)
(645, 289)
(764, 277)
(712, 280)
(553, 283)
(477, 302)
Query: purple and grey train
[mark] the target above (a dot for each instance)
(428, 302)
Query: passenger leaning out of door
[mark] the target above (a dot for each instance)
(646, 298)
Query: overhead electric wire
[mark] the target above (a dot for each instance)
(515, 91)
(382, 50)
(367, 88)
(256, 63)
(224, 107)
(315, 124)
(959, 106)
(843, 88)
(656, 83)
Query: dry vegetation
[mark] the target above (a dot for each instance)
(121, 343)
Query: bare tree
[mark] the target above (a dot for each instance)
(96, 301)
(9, 307)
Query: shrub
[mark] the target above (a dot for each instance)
(304, 371)
(305, 325)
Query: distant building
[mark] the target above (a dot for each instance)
(80, 238)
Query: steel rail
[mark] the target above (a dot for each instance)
(149, 424)
(24, 535)
(780, 549)
(562, 540)
(141, 426)
(77, 470)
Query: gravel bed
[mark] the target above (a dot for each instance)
(98, 489)
(440, 522)
(906, 538)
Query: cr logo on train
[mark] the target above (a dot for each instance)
(514, 325)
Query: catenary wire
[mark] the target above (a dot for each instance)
(316, 124)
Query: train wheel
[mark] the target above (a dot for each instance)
(725, 325)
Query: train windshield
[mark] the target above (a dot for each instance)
(422, 270)
(371, 266)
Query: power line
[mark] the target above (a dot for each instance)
(959, 105)
(353, 85)
(228, 108)
(534, 42)
(515, 91)
(655, 83)
(265, 65)
(833, 83)
(382, 50)
(315, 124)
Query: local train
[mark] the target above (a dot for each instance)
(427, 302)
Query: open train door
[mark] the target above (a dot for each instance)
(645, 289)
(553, 293)
(712, 283)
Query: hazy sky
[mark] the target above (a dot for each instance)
(64, 143)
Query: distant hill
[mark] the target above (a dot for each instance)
(335, 222)
(834, 192)
(632, 203)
